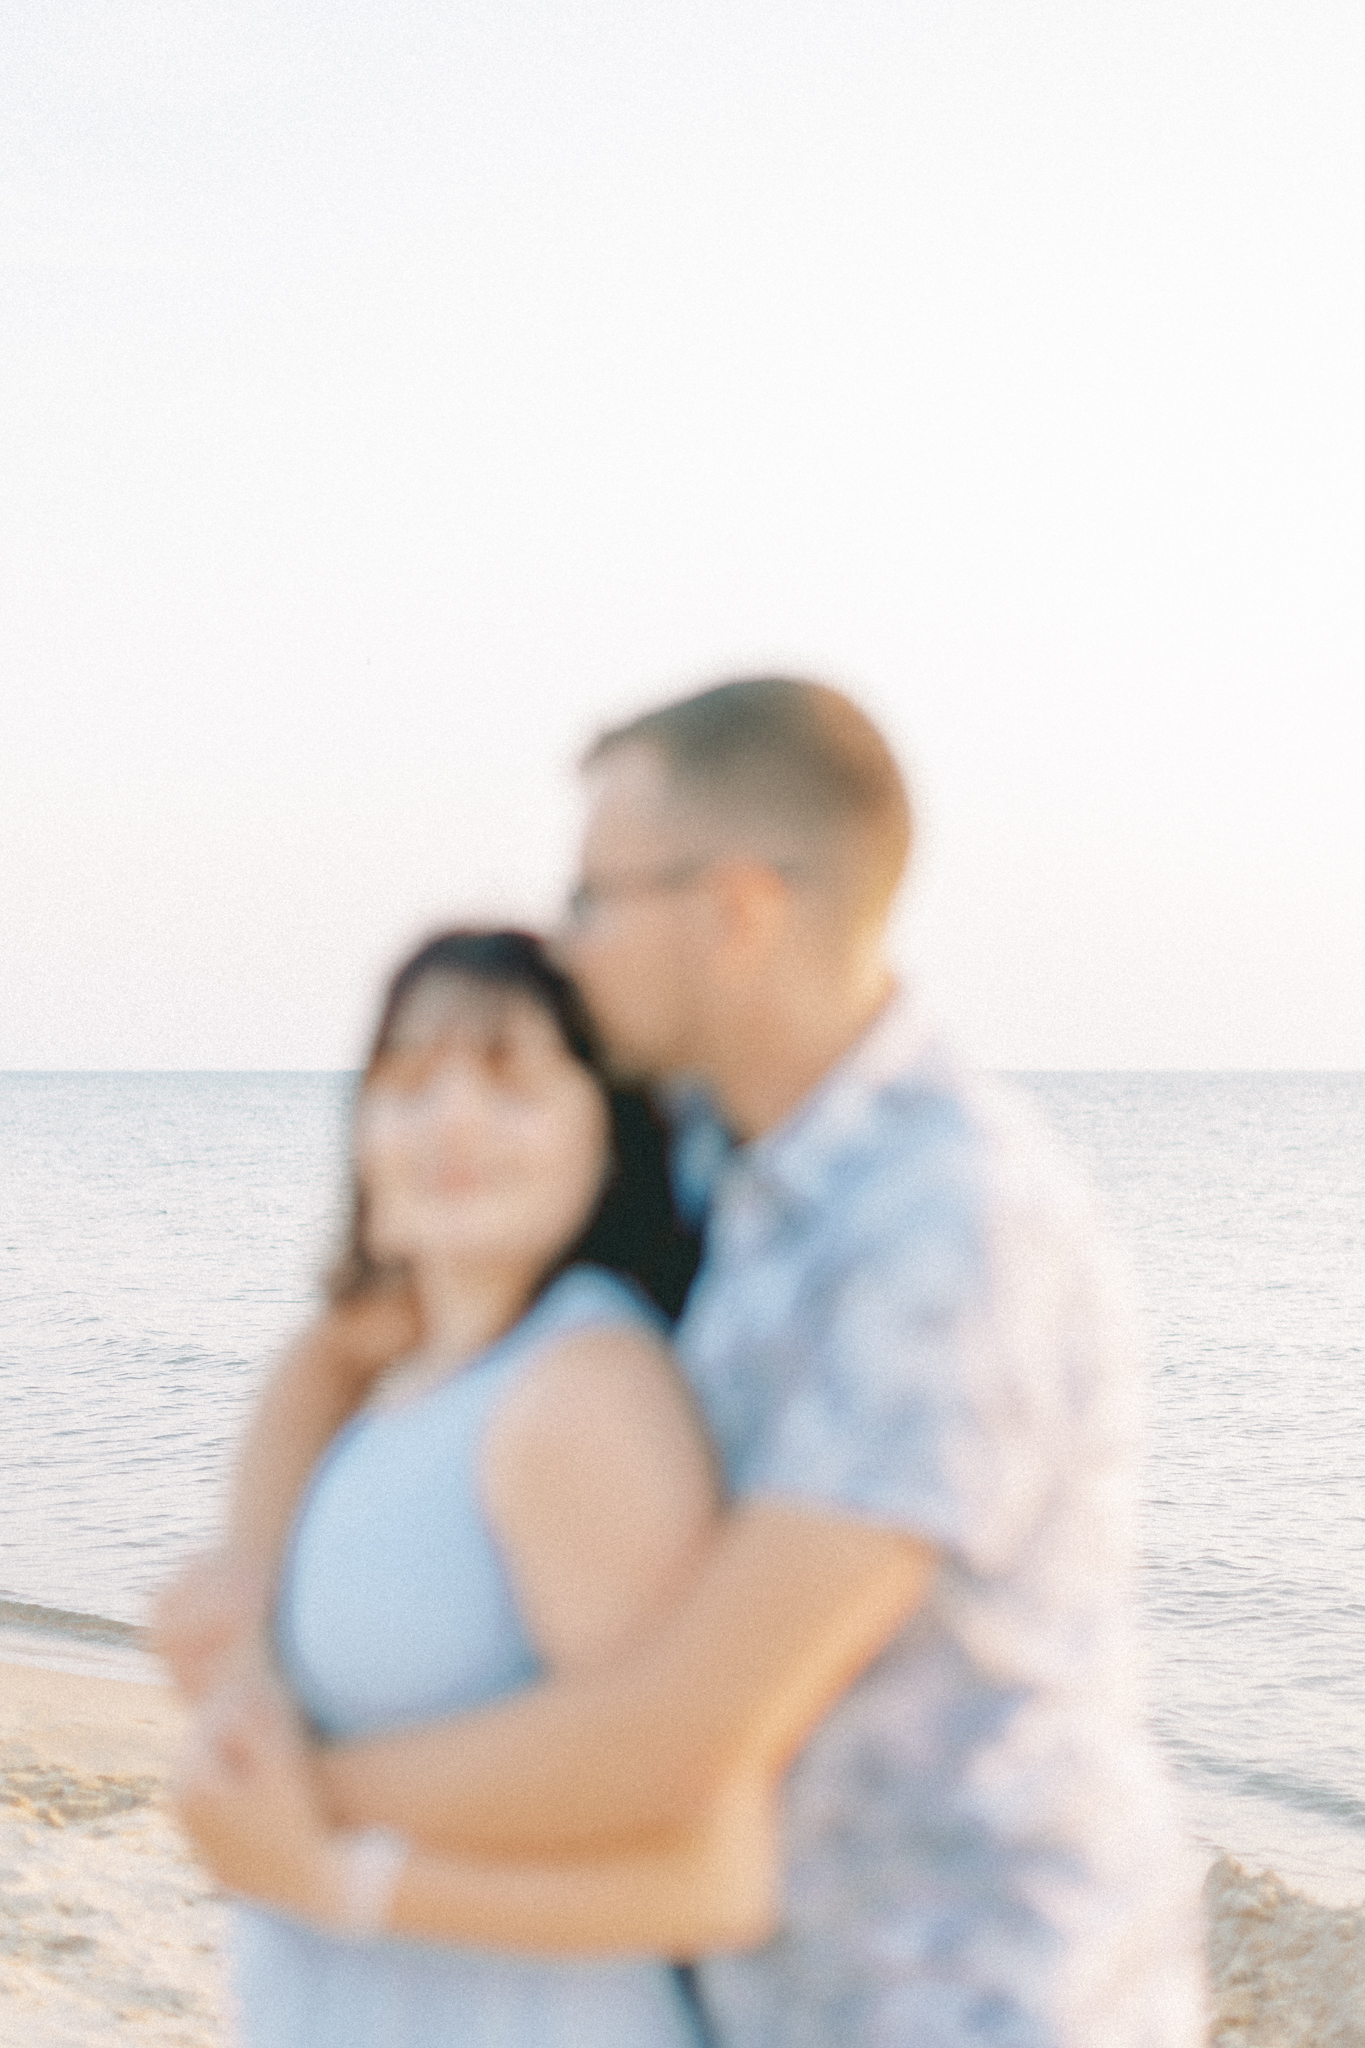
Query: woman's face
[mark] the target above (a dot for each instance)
(480, 1138)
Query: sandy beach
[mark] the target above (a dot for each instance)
(109, 1933)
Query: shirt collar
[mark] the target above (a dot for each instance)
(792, 1160)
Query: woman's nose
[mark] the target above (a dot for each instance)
(456, 1096)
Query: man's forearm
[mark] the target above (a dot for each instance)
(574, 1766)
(716, 1890)
(789, 1611)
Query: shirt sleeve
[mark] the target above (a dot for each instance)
(921, 1394)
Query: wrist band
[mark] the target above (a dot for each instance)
(369, 1863)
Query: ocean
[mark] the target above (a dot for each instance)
(161, 1234)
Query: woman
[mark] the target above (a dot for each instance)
(526, 1491)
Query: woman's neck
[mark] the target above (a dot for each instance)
(467, 1308)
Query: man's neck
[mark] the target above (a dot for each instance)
(780, 1054)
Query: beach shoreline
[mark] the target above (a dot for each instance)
(90, 1645)
(110, 1934)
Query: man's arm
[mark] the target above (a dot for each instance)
(219, 1602)
(790, 1606)
(715, 1890)
(245, 1798)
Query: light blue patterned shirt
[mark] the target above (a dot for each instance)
(907, 1315)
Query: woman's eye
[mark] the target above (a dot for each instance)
(511, 1068)
(503, 1064)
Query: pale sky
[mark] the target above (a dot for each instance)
(390, 394)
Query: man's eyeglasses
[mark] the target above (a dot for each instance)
(590, 897)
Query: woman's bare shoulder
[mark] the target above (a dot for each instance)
(614, 1356)
(612, 1393)
(600, 1485)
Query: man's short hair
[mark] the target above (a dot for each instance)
(784, 755)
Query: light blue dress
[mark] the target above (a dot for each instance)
(396, 1608)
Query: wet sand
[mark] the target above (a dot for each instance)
(111, 1937)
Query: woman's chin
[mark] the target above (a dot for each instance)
(476, 1252)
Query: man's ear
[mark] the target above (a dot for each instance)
(752, 905)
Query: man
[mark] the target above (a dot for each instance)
(903, 1342)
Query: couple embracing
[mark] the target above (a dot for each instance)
(679, 1591)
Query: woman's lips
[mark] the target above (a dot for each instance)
(460, 1184)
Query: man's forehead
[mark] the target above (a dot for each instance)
(630, 801)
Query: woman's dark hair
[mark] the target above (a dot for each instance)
(635, 1230)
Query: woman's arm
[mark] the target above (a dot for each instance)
(210, 1620)
(247, 1800)
(601, 1493)
(782, 1608)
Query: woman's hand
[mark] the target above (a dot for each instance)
(208, 1624)
(246, 1799)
